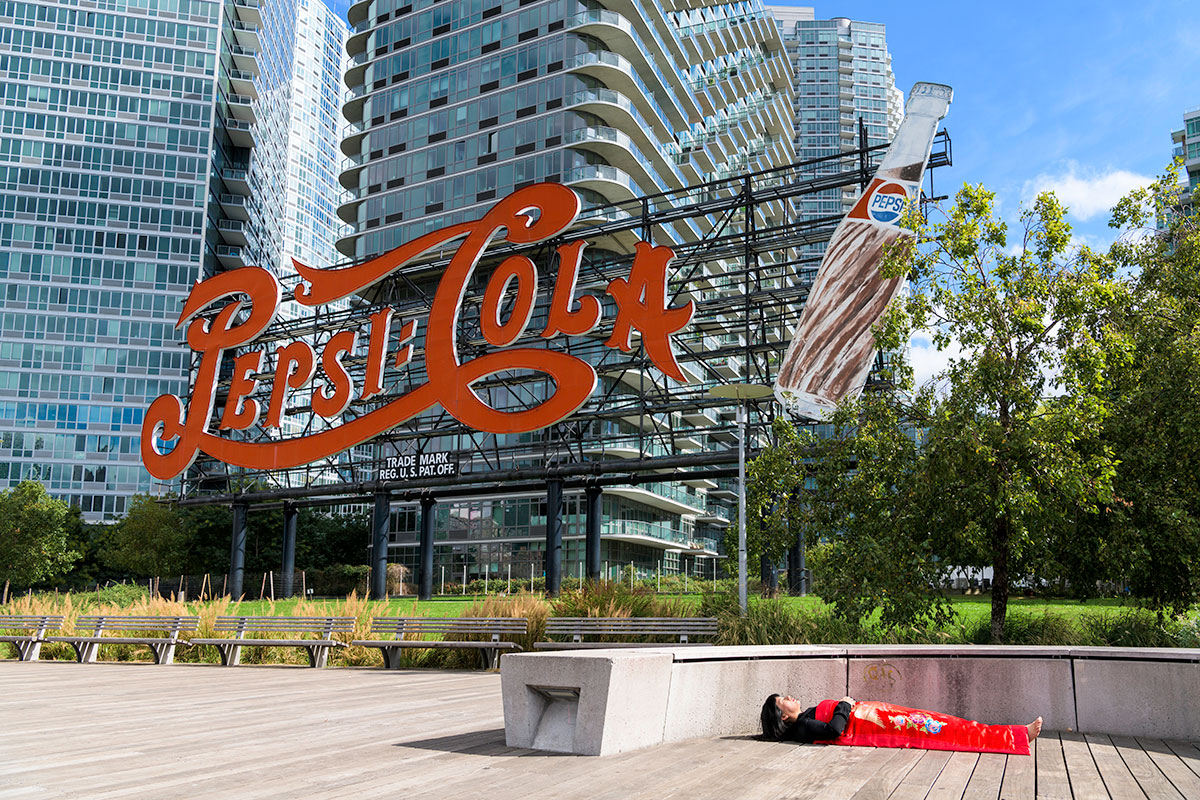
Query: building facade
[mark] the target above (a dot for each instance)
(1187, 147)
(453, 106)
(843, 75)
(145, 145)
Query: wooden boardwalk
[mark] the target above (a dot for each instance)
(136, 730)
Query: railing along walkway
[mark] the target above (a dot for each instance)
(199, 730)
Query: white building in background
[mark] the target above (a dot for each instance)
(1187, 147)
(842, 73)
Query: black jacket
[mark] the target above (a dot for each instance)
(808, 728)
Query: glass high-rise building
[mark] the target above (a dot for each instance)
(453, 106)
(843, 75)
(145, 145)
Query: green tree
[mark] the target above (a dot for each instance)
(1010, 441)
(774, 496)
(33, 535)
(1011, 445)
(151, 540)
(870, 506)
(1150, 534)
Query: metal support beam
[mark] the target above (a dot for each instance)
(237, 551)
(380, 522)
(290, 513)
(428, 514)
(554, 489)
(592, 531)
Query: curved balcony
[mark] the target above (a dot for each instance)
(357, 13)
(617, 73)
(619, 35)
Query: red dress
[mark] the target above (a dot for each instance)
(877, 724)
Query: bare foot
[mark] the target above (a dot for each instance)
(1034, 728)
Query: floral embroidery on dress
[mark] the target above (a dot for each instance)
(921, 722)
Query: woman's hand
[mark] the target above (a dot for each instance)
(847, 699)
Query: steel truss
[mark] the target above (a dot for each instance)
(740, 257)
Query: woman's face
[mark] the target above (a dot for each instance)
(789, 708)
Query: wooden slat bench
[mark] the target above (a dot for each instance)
(457, 627)
(90, 634)
(230, 648)
(29, 645)
(681, 629)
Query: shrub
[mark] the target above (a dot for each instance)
(1025, 628)
(601, 599)
(1131, 627)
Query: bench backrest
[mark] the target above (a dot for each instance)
(494, 627)
(30, 622)
(99, 623)
(681, 627)
(321, 626)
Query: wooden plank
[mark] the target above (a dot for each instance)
(921, 777)
(883, 783)
(1149, 777)
(1052, 782)
(953, 780)
(1081, 767)
(1185, 781)
(1187, 753)
(1120, 782)
(988, 775)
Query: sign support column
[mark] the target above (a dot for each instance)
(425, 588)
(593, 532)
(553, 537)
(237, 550)
(380, 519)
(290, 513)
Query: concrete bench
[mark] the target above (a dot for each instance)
(230, 648)
(29, 645)
(90, 633)
(494, 628)
(600, 702)
(681, 629)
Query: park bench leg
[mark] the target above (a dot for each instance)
(489, 657)
(231, 654)
(318, 656)
(391, 657)
(86, 651)
(164, 652)
(29, 650)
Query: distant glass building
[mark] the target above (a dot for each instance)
(453, 106)
(144, 146)
(843, 74)
(1187, 147)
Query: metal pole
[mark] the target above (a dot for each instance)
(379, 544)
(428, 515)
(592, 532)
(237, 551)
(554, 506)
(290, 513)
(741, 423)
(509, 578)
(443, 579)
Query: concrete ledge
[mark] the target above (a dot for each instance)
(599, 702)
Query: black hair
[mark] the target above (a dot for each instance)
(773, 726)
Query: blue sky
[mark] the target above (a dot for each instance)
(1077, 97)
(1072, 96)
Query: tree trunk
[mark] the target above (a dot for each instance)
(1000, 542)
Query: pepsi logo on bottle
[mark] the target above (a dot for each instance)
(883, 202)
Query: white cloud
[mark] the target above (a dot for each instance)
(1086, 192)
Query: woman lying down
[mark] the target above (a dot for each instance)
(877, 724)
